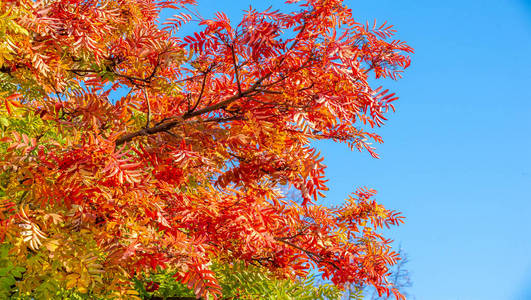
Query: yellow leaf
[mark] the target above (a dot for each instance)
(131, 292)
(51, 245)
(71, 280)
(84, 280)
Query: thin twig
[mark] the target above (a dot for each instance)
(148, 107)
(235, 63)
(200, 93)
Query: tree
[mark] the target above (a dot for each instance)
(126, 149)
(240, 281)
(399, 277)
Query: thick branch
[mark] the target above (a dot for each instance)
(314, 256)
(147, 131)
(170, 124)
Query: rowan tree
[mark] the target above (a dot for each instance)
(126, 149)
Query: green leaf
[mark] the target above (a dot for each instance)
(18, 271)
(5, 271)
(4, 121)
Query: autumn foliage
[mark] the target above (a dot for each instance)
(126, 148)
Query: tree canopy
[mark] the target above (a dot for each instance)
(126, 148)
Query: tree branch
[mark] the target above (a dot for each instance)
(236, 69)
(314, 256)
(148, 107)
(200, 93)
(169, 125)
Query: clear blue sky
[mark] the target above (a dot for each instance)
(457, 154)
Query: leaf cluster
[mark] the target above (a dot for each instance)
(125, 149)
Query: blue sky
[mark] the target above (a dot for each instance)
(457, 154)
(456, 159)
